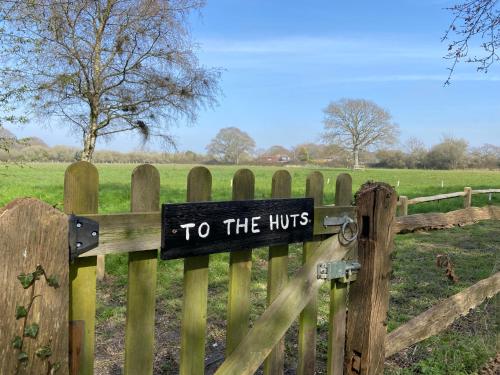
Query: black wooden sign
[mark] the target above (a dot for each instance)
(191, 229)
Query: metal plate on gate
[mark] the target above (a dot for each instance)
(192, 229)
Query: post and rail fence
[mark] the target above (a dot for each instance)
(41, 282)
(404, 201)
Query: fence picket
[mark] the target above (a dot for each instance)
(141, 289)
(277, 275)
(338, 294)
(240, 266)
(81, 193)
(309, 316)
(194, 309)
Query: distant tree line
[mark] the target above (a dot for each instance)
(450, 153)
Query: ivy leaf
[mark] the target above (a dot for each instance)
(31, 330)
(26, 280)
(53, 281)
(22, 357)
(44, 352)
(17, 342)
(21, 312)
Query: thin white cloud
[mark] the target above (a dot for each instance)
(381, 47)
(420, 77)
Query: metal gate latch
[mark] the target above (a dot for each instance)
(347, 224)
(343, 271)
(83, 236)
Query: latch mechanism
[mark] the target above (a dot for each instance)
(347, 225)
(343, 271)
(83, 236)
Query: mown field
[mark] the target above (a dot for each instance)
(45, 181)
(416, 283)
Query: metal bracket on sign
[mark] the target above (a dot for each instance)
(83, 236)
(347, 224)
(343, 271)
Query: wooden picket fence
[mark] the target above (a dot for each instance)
(138, 234)
(356, 341)
(287, 299)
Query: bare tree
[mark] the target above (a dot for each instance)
(451, 153)
(416, 152)
(230, 145)
(473, 20)
(358, 124)
(105, 66)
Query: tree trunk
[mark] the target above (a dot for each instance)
(355, 153)
(90, 139)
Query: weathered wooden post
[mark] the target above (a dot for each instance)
(369, 295)
(34, 278)
(467, 197)
(403, 208)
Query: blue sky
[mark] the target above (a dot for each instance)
(284, 61)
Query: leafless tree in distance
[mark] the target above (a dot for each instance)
(230, 145)
(473, 20)
(105, 66)
(358, 124)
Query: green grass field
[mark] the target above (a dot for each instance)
(416, 284)
(45, 181)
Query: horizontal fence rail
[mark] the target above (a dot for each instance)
(447, 196)
(437, 220)
(437, 197)
(132, 231)
(404, 201)
(441, 315)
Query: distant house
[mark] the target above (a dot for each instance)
(273, 159)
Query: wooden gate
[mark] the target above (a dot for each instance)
(138, 234)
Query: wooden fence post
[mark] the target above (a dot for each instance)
(141, 287)
(369, 295)
(34, 278)
(467, 197)
(403, 209)
(194, 308)
(277, 273)
(338, 294)
(240, 267)
(81, 193)
(309, 316)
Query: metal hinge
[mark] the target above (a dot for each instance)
(83, 236)
(347, 224)
(343, 271)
